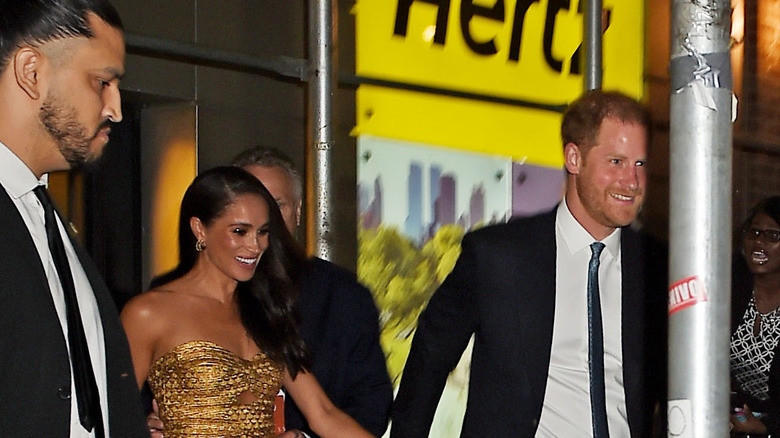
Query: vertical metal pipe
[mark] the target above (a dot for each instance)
(700, 219)
(593, 45)
(321, 89)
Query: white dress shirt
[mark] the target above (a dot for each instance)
(566, 411)
(19, 182)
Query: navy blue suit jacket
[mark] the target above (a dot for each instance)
(340, 325)
(34, 364)
(502, 289)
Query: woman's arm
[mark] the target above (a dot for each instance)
(139, 322)
(322, 415)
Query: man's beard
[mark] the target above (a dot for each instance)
(71, 136)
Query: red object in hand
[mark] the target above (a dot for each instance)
(279, 412)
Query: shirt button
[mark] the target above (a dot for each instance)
(63, 392)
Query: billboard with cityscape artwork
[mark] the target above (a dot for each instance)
(415, 202)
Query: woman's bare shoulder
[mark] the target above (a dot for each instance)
(151, 304)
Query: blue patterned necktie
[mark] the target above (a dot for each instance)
(598, 402)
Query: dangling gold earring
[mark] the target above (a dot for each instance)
(200, 245)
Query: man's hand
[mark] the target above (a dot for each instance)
(154, 422)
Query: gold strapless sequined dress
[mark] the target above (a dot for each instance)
(197, 386)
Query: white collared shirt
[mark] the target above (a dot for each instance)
(566, 411)
(19, 182)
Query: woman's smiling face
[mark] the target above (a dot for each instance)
(235, 241)
(761, 244)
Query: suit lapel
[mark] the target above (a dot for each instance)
(16, 236)
(632, 322)
(120, 378)
(16, 241)
(536, 302)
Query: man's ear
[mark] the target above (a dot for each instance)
(572, 158)
(27, 64)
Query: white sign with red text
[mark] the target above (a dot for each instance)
(686, 293)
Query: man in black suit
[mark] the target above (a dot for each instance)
(520, 288)
(60, 65)
(339, 319)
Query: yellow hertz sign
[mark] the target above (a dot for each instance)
(515, 50)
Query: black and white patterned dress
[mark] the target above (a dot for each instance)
(752, 355)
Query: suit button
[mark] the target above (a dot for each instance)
(63, 392)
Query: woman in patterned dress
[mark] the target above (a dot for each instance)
(755, 323)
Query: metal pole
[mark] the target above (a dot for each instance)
(700, 219)
(284, 66)
(321, 87)
(593, 45)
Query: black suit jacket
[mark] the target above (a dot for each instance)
(502, 289)
(340, 325)
(34, 363)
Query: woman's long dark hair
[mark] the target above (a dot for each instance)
(267, 301)
(769, 206)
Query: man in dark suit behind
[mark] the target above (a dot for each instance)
(520, 288)
(339, 318)
(60, 65)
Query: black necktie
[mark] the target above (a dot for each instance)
(598, 403)
(87, 397)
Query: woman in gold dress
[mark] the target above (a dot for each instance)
(219, 338)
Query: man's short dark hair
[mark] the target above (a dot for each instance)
(265, 156)
(35, 22)
(582, 120)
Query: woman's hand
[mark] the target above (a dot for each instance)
(744, 421)
(325, 419)
(154, 422)
(291, 434)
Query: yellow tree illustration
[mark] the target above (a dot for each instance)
(402, 279)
